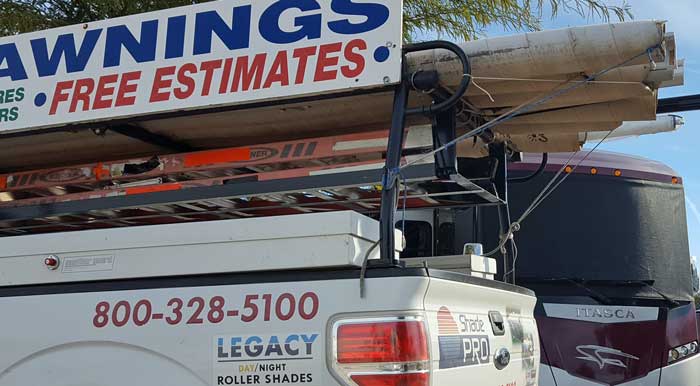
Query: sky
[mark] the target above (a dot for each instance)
(675, 149)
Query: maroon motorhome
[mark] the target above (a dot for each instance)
(608, 257)
(607, 254)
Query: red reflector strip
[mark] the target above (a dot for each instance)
(3, 182)
(410, 379)
(400, 341)
(213, 157)
(152, 189)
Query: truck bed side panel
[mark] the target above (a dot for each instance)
(215, 330)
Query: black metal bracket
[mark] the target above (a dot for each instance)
(500, 152)
(146, 136)
(390, 181)
(443, 131)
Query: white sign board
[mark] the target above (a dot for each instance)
(209, 55)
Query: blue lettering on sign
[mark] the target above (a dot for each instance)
(290, 347)
(9, 57)
(47, 65)
(376, 14)
(142, 50)
(232, 29)
(295, 345)
(235, 37)
(175, 42)
(309, 26)
(253, 347)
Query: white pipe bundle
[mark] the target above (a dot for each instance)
(662, 124)
(576, 50)
(507, 72)
(636, 59)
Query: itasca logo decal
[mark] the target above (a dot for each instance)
(604, 313)
(603, 355)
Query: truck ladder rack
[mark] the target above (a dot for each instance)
(204, 168)
(249, 195)
(318, 174)
(361, 172)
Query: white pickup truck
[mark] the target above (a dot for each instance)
(234, 252)
(262, 301)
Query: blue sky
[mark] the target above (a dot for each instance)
(674, 149)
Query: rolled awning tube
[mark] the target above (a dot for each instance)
(662, 124)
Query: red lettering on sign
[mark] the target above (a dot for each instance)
(185, 79)
(59, 95)
(198, 310)
(236, 74)
(325, 61)
(279, 73)
(160, 82)
(81, 93)
(104, 92)
(355, 58)
(127, 86)
(84, 95)
(246, 75)
(209, 68)
(225, 76)
(303, 55)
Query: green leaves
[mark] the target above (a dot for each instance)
(463, 19)
(467, 19)
(19, 16)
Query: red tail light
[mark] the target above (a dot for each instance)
(401, 341)
(381, 352)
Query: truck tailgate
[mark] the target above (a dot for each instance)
(465, 340)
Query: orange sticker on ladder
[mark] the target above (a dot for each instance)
(153, 189)
(100, 172)
(213, 157)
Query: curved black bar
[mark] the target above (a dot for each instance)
(535, 174)
(466, 78)
(396, 138)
